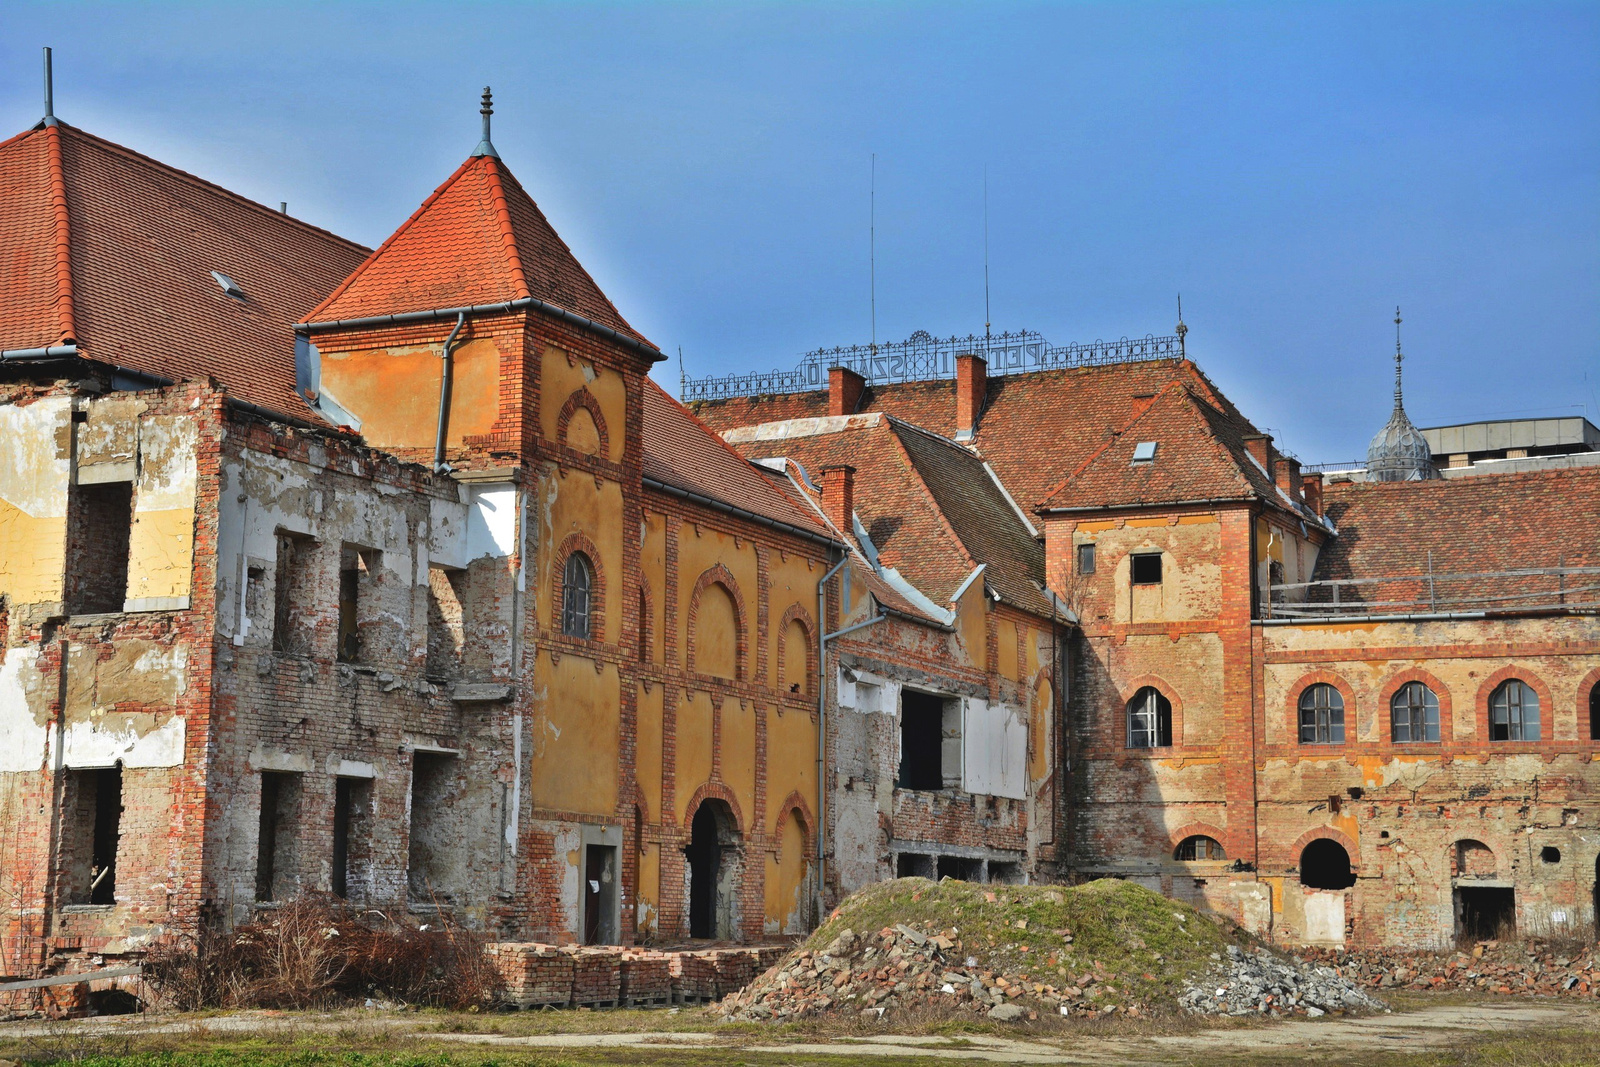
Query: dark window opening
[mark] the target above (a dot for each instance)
(922, 741)
(577, 579)
(1514, 712)
(599, 895)
(1485, 913)
(107, 835)
(358, 569)
(277, 862)
(1414, 714)
(91, 832)
(1086, 559)
(1321, 715)
(705, 861)
(294, 594)
(99, 525)
(1146, 568)
(1005, 873)
(913, 865)
(352, 836)
(1326, 865)
(446, 622)
(960, 868)
(341, 837)
(1594, 713)
(114, 1002)
(644, 626)
(1199, 847)
(1550, 854)
(428, 859)
(1149, 719)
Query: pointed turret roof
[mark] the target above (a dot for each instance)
(1399, 452)
(479, 239)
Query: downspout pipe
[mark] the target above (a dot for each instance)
(446, 383)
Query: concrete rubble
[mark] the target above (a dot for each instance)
(1261, 983)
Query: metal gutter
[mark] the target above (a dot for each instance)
(278, 416)
(1153, 504)
(918, 619)
(51, 352)
(1440, 616)
(644, 348)
(741, 513)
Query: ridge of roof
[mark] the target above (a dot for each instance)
(938, 510)
(65, 315)
(497, 191)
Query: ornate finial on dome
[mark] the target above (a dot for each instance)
(486, 146)
(1399, 453)
(1181, 330)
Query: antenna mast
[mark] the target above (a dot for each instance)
(1181, 330)
(986, 259)
(872, 248)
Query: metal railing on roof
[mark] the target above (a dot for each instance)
(1525, 588)
(923, 357)
(1325, 468)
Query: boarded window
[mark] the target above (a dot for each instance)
(277, 857)
(294, 594)
(99, 525)
(1321, 715)
(1149, 719)
(1514, 712)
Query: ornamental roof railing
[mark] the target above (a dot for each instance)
(1559, 588)
(923, 357)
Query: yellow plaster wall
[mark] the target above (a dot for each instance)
(785, 878)
(795, 670)
(693, 748)
(791, 758)
(395, 391)
(1039, 732)
(739, 751)
(575, 733)
(35, 464)
(653, 566)
(561, 375)
(699, 549)
(716, 630)
(570, 502)
(972, 624)
(161, 543)
(647, 751)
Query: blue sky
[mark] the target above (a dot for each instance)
(1295, 170)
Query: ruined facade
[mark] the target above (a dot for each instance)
(391, 574)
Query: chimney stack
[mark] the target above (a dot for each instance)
(972, 384)
(839, 495)
(1286, 473)
(845, 387)
(1311, 491)
(1259, 445)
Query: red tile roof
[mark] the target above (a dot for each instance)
(1035, 427)
(681, 451)
(479, 239)
(111, 249)
(1478, 524)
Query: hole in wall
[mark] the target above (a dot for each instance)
(1550, 854)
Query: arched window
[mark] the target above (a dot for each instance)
(1326, 865)
(1594, 715)
(576, 582)
(1149, 719)
(1514, 712)
(1199, 847)
(1321, 715)
(1414, 714)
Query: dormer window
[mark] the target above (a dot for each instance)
(1144, 452)
(229, 286)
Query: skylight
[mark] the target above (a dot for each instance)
(1144, 452)
(229, 286)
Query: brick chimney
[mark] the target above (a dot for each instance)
(839, 494)
(1286, 472)
(1259, 445)
(972, 383)
(844, 390)
(1311, 491)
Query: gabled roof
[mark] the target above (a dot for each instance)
(479, 239)
(680, 451)
(1035, 427)
(1475, 526)
(1199, 454)
(928, 506)
(114, 251)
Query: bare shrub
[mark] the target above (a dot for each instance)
(316, 951)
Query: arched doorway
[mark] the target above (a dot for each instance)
(715, 872)
(1325, 873)
(1326, 865)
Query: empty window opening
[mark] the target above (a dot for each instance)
(644, 626)
(1414, 714)
(1514, 712)
(1149, 719)
(277, 860)
(446, 622)
(600, 895)
(91, 834)
(960, 868)
(1594, 712)
(1146, 568)
(1326, 865)
(577, 580)
(914, 865)
(930, 741)
(431, 876)
(352, 836)
(1321, 715)
(1086, 559)
(358, 570)
(1550, 854)
(1485, 913)
(1199, 847)
(294, 594)
(1006, 873)
(99, 524)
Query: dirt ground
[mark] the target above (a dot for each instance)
(1421, 1032)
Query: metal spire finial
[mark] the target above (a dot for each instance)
(1181, 330)
(486, 146)
(49, 93)
(1399, 356)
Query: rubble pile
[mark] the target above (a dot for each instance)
(1532, 968)
(901, 967)
(1261, 983)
